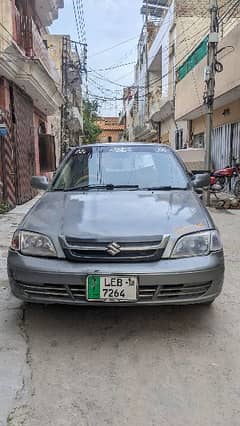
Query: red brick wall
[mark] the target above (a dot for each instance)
(115, 135)
(192, 8)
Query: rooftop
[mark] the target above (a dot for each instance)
(47, 10)
(154, 8)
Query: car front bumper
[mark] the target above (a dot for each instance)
(167, 282)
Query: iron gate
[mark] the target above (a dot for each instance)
(7, 166)
(225, 145)
(24, 145)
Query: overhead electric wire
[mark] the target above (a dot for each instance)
(192, 50)
(101, 77)
(81, 20)
(233, 6)
(153, 83)
(113, 47)
(76, 20)
(113, 67)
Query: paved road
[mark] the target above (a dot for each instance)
(144, 367)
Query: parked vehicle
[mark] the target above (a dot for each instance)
(227, 178)
(121, 224)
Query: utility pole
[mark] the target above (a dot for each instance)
(147, 63)
(210, 78)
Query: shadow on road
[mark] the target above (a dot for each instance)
(125, 321)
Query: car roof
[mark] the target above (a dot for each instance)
(124, 144)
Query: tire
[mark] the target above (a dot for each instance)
(236, 189)
(222, 181)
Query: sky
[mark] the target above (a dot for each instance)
(108, 22)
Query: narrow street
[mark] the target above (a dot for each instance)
(147, 366)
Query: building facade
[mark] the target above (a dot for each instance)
(189, 96)
(164, 99)
(70, 59)
(30, 91)
(111, 129)
(170, 31)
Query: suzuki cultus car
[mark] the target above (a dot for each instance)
(120, 224)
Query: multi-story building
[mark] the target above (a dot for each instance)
(171, 29)
(127, 114)
(111, 129)
(190, 89)
(169, 74)
(70, 60)
(30, 91)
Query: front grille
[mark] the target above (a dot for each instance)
(146, 293)
(173, 291)
(90, 251)
(59, 292)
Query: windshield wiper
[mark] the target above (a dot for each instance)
(108, 187)
(165, 188)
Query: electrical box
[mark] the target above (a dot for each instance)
(207, 74)
(213, 38)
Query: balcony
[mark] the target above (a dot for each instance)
(155, 102)
(30, 42)
(23, 32)
(160, 107)
(41, 52)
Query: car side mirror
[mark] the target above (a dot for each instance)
(39, 182)
(201, 180)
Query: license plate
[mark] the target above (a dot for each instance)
(112, 288)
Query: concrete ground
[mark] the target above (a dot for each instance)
(66, 366)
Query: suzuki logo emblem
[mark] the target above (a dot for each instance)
(113, 249)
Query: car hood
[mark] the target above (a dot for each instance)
(117, 215)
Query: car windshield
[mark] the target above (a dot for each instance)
(136, 167)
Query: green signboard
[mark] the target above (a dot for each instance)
(196, 56)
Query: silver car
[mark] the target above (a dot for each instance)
(120, 224)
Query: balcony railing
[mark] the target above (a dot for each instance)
(41, 52)
(24, 32)
(30, 41)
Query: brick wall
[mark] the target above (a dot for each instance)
(110, 129)
(114, 135)
(191, 8)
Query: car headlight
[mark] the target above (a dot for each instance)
(33, 244)
(198, 244)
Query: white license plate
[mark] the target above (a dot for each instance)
(112, 288)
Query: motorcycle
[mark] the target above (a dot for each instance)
(229, 177)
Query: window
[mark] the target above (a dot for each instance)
(199, 141)
(140, 166)
(179, 139)
(109, 138)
